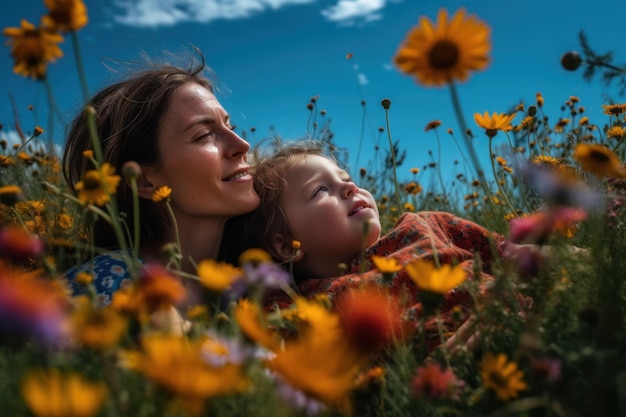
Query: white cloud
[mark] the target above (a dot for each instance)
(362, 79)
(347, 11)
(153, 13)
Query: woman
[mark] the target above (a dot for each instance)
(168, 120)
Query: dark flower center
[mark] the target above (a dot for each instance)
(91, 182)
(443, 55)
(599, 157)
(498, 379)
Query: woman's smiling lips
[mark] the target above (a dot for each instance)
(239, 175)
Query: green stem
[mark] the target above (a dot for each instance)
(468, 143)
(393, 160)
(79, 66)
(176, 232)
(50, 117)
(495, 177)
(136, 233)
(442, 338)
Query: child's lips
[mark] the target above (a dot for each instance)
(358, 207)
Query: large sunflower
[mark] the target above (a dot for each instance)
(438, 54)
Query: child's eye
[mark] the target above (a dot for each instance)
(319, 189)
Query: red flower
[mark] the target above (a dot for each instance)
(433, 382)
(18, 245)
(371, 318)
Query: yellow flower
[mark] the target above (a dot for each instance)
(495, 122)
(65, 15)
(32, 48)
(177, 364)
(98, 185)
(448, 51)
(386, 265)
(10, 194)
(321, 361)
(97, 328)
(254, 256)
(502, 376)
(217, 276)
(614, 109)
(435, 280)
(162, 193)
(248, 317)
(50, 394)
(616, 132)
(598, 160)
(84, 278)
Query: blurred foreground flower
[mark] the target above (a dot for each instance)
(65, 15)
(177, 365)
(371, 317)
(18, 245)
(31, 309)
(439, 54)
(502, 376)
(320, 361)
(32, 48)
(537, 227)
(599, 160)
(50, 394)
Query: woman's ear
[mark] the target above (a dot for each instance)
(145, 187)
(281, 248)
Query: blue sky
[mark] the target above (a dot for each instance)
(272, 56)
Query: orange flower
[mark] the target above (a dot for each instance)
(65, 15)
(32, 48)
(599, 160)
(495, 122)
(439, 54)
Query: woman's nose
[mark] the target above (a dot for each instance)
(235, 145)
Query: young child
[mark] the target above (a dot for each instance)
(306, 197)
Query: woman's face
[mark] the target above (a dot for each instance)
(202, 159)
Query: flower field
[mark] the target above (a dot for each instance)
(548, 338)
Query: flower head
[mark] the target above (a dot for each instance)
(372, 319)
(217, 276)
(448, 51)
(19, 245)
(432, 382)
(599, 160)
(502, 376)
(158, 287)
(436, 280)
(10, 194)
(97, 328)
(386, 265)
(177, 364)
(97, 186)
(32, 48)
(31, 308)
(495, 122)
(162, 193)
(50, 394)
(65, 15)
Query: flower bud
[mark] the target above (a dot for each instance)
(386, 103)
(571, 60)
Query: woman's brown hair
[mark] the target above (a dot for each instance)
(128, 115)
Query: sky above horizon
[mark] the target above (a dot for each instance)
(272, 56)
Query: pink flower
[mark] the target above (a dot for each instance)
(18, 245)
(433, 382)
(536, 227)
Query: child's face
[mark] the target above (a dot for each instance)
(326, 211)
